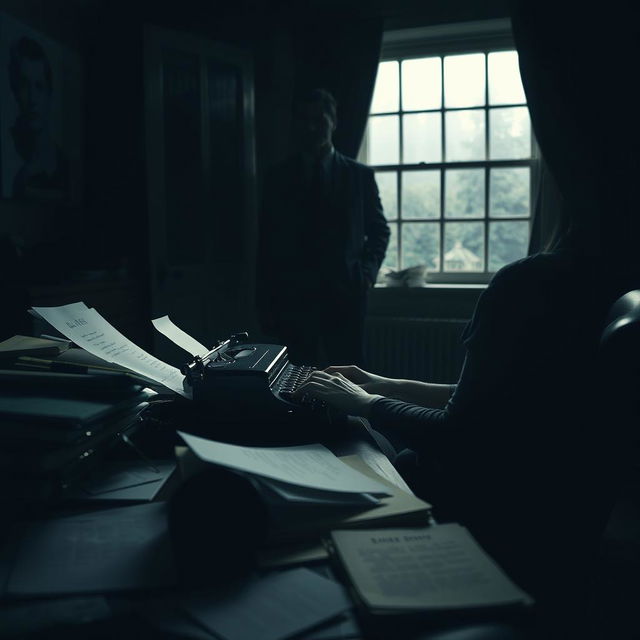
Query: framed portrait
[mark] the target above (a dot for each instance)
(41, 116)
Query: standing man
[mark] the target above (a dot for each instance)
(323, 237)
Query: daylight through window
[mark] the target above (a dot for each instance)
(450, 140)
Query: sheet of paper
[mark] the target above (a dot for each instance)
(276, 606)
(292, 494)
(179, 337)
(130, 482)
(125, 475)
(89, 330)
(96, 552)
(311, 465)
(440, 567)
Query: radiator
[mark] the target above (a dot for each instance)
(426, 349)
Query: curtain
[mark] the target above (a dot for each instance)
(578, 67)
(340, 54)
(547, 211)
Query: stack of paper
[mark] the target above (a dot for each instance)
(88, 329)
(308, 490)
(300, 473)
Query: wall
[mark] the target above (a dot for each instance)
(108, 233)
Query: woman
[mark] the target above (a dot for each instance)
(517, 451)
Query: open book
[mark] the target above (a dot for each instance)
(422, 570)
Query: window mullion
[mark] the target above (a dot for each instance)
(487, 170)
(442, 169)
(401, 160)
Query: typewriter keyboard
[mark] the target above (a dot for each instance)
(293, 377)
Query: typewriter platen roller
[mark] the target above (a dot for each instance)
(241, 381)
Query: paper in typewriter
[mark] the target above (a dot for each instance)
(88, 329)
(179, 337)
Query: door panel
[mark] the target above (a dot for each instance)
(199, 120)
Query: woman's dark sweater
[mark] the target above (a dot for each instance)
(520, 452)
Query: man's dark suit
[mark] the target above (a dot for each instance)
(323, 237)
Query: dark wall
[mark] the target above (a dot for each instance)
(109, 230)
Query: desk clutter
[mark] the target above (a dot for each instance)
(190, 563)
(65, 400)
(56, 427)
(201, 537)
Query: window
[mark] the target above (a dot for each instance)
(450, 140)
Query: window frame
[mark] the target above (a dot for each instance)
(441, 40)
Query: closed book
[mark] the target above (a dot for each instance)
(426, 570)
(24, 457)
(26, 345)
(21, 411)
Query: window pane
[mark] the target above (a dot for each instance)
(464, 193)
(464, 246)
(421, 245)
(421, 194)
(384, 140)
(421, 84)
(510, 133)
(387, 89)
(509, 192)
(505, 85)
(421, 138)
(388, 187)
(464, 135)
(508, 241)
(464, 80)
(391, 257)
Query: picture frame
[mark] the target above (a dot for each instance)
(41, 117)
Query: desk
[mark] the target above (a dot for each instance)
(128, 615)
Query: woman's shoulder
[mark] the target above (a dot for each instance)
(540, 268)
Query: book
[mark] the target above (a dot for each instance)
(39, 413)
(436, 569)
(21, 457)
(28, 346)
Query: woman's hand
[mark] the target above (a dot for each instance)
(337, 391)
(369, 382)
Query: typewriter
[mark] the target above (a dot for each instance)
(241, 381)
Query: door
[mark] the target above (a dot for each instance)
(199, 146)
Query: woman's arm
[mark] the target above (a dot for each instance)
(424, 394)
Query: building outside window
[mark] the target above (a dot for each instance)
(450, 140)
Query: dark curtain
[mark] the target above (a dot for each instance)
(341, 54)
(579, 67)
(547, 211)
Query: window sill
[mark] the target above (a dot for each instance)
(427, 301)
